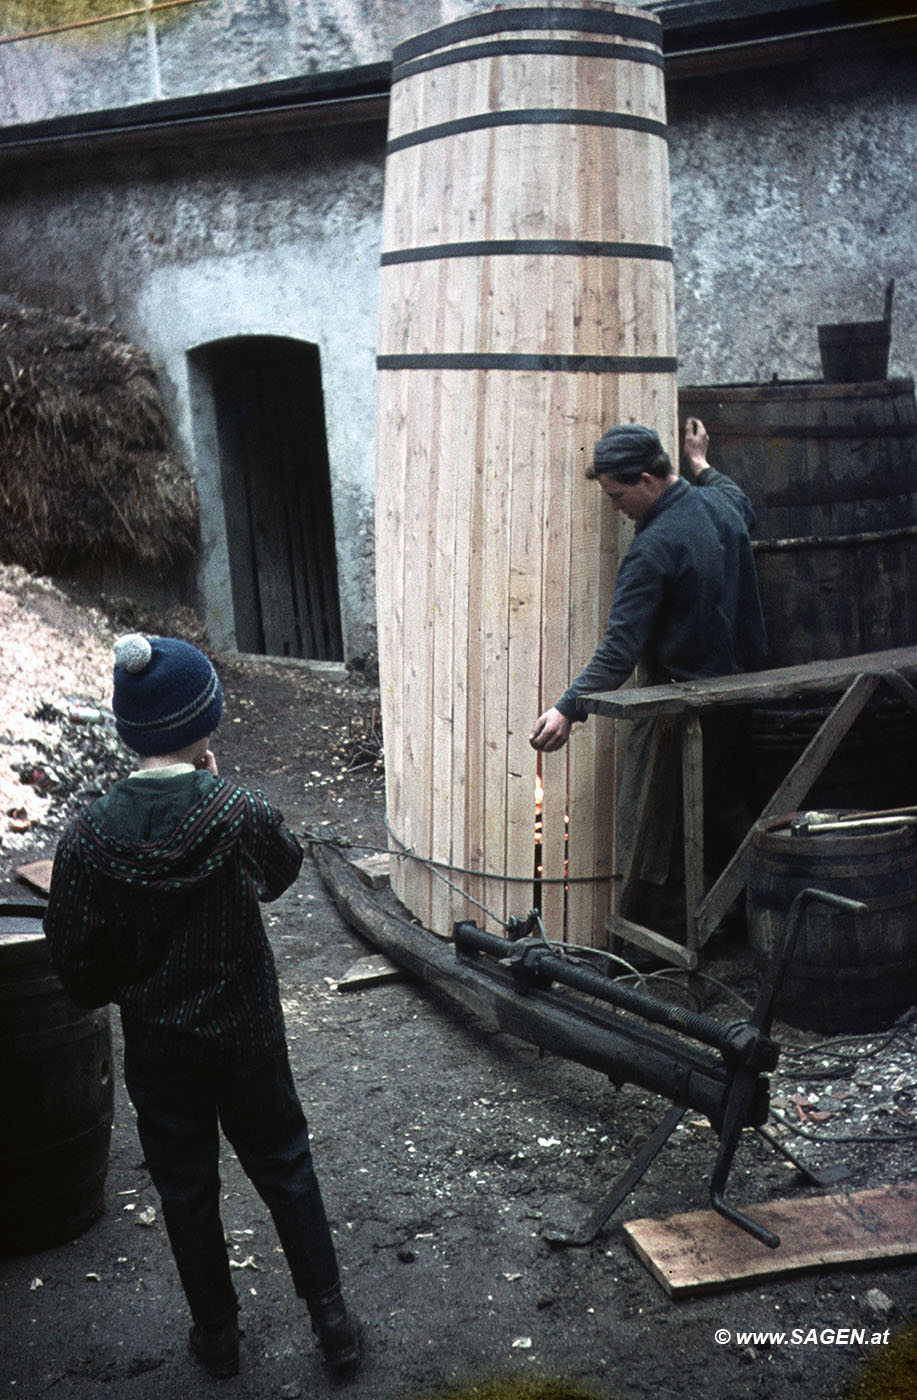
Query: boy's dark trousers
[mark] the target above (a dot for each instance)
(178, 1110)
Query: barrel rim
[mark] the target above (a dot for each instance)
(576, 117)
(771, 834)
(514, 48)
(623, 22)
(529, 247)
(550, 364)
(22, 944)
(782, 390)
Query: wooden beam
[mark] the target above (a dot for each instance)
(692, 780)
(651, 942)
(811, 762)
(902, 688)
(781, 684)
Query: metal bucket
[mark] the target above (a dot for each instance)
(56, 1095)
(854, 351)
(847, 974)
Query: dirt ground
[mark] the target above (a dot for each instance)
(443, 1154)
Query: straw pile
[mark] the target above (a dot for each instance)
(86, 469)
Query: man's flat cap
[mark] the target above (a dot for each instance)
(625, 449)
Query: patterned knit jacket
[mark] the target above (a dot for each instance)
(154, 904)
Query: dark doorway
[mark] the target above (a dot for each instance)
(270, 426)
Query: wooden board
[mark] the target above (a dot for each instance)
(700, 1252)
(368, 972)
(38, 875)
(785, 682)
(373, 870)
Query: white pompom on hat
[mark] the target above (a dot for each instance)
(133, 652)
(166, 694)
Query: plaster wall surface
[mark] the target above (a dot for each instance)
(276, 237)
(193, 48)
(794, 194)
(794, 197)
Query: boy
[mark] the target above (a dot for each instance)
(154, 905)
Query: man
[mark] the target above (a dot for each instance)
(686, 602)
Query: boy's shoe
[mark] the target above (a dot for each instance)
(217, 1348)
(339, 1334)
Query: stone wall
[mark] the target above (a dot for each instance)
(183, 247)
(794, 197)
(191, 48)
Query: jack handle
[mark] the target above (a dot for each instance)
(763, 1013)
(741, 1089)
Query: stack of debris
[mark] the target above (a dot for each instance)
(58, 746)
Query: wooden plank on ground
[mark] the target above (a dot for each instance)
(368, 972)
(37, 874)
(373, 870)
(700, 1252)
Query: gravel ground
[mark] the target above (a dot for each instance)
(443, 1151)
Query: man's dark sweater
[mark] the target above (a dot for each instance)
(154, 904)
(686, 599)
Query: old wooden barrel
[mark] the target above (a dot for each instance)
(848, 974)
(56, 1095)
(526, 305)
(832, 472)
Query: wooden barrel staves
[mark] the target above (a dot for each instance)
(56, 1095)
(832, 472)
(847, 974)
(526, 304)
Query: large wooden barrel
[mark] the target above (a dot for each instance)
(526, 305)
(56, 1095)
(832, 472)
(847, 974)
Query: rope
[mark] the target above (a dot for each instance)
(408, 853)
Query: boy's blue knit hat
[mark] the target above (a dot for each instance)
(166, 694)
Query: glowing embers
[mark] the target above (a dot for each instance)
(539, 840)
